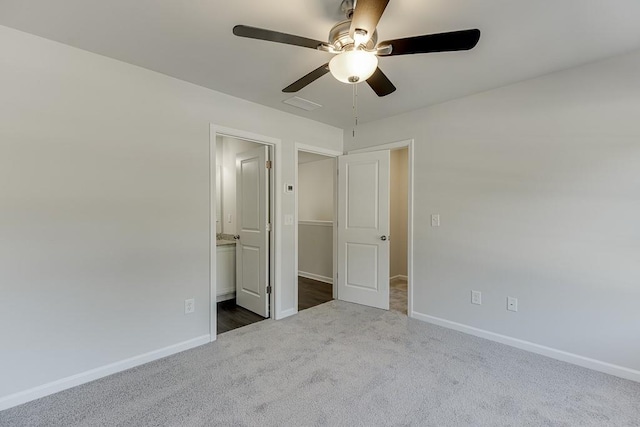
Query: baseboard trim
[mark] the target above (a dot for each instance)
(286, 313)
(575, 359)
(226, 296)
(317, 277)
(97, 373)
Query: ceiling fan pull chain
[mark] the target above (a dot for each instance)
(355, 109)
(355, 89)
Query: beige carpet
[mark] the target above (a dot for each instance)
(341, 364)
(398, 295)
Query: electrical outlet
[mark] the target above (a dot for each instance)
(476, 297)
(189, 306)
(512, 304)
(435, 220)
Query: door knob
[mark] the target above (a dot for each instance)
(383, 238)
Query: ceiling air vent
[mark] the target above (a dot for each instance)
(302, 103)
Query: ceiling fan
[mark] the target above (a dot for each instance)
(355, 43)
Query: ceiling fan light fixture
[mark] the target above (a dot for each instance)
(353, 66)
(355, 42)
(360, 38)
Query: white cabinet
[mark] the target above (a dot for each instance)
(225, 272)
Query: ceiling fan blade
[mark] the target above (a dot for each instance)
(442, 42)
(309, 78)
(274, 36)
(380, 84)
(366, 16)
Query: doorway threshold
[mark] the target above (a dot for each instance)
(231, 316)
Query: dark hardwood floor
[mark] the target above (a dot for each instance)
(232, 316)
(312, 293)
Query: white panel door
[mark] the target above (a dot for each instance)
(252, 247)
(363, 229)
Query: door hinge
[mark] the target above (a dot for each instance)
(268, 164)
(269, 227)
(268, 289)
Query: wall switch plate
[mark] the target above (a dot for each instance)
(435, 220)
(288, 220)
(288, 188)
(229, 218)
(512, 304)
(476, 297)
(189, 306)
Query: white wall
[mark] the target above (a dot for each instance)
(315, 224)
(218, 184)
(538, 188)
(104, 207)
(231, 147)
(315, 250)
(315, 190)
(398, 211)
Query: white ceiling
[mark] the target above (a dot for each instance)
(192, 40)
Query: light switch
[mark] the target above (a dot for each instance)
(435, 220)
(288, 220)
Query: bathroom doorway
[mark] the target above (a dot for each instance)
(243, 232)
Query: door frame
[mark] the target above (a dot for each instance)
(275, 236)
(328, 153)
(407, 143)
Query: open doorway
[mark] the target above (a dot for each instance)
(374, 227)
(316, 210)
(243, 212)
(399, 226)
